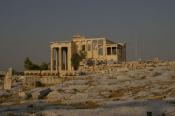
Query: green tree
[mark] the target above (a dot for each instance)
(75, 60)
(44, 66)
(35, 67)
(28, 65)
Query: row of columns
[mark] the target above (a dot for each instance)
(59, 58)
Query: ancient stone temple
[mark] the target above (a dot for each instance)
(98, 49)
(101, 51)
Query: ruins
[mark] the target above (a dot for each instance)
(8, 79)
(97, 49)
(101, 51)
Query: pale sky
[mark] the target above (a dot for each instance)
(27, 27)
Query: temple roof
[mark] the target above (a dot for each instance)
(110, 42)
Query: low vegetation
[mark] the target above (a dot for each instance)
(77, 58)
(29, 65)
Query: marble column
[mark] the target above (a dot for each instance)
(60, 59)
(66, 58)
(56, 65)
(116, 50)
(51, 58)
(69, 51)
(111, 51)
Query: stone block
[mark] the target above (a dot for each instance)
(40, 93)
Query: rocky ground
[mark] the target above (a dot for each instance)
(121, 92)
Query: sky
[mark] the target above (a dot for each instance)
(28, 26)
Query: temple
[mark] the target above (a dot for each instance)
(96, 49)
(93, 55)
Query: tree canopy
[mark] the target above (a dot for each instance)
(29, 65)
(75, 60)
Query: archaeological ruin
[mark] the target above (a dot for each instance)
(8, 79)
(97, 49)
(100, 51)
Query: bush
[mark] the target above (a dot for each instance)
(44, 66)
(75, 60)
(29, 65)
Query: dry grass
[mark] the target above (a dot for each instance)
(11, 99)
(85, 105)
(155, 97)
(156, 74)
(117, 93)
(135, 90)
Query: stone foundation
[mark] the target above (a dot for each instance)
(31, 81)
(49, 73)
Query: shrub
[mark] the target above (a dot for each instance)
(29, 65)
(75, 60)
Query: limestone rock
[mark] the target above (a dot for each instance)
(22, 95)
(105, 94)
(41, 93)
(4, 93)
(55, 96)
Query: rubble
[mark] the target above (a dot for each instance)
(153, 82)
(40, 93)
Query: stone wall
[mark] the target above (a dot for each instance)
(31, 81)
